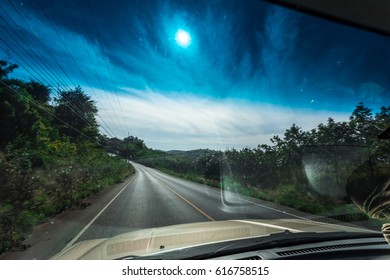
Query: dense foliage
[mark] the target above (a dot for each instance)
(130, 147)
(307, 170)
(50, 156)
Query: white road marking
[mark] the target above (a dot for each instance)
(270, 208)
(94, 219)
(169, 177)
(233, 195)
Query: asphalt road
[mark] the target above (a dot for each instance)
(154, 199)
(148, 199)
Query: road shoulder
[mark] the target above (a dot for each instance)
(50, 237)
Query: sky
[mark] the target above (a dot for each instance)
(192, 74)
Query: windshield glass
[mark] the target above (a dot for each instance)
(118, 116)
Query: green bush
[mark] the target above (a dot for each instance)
(289, 196)
(33, 195)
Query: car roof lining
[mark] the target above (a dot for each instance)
(365, 14)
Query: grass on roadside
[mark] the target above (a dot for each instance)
(32, 197)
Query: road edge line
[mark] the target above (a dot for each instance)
(95, 218)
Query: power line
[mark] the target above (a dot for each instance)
(105, 127)
(44, 46)
(87, 52)
(75, 110)
(105, 56)
(51, 114)
(62, 41)
(5, 43)
(68, 52)
(29, 43)
(47, 72)
(43, 69)
(71, 106)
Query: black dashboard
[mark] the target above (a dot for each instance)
(348, 249)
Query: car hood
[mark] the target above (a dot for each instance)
(151, 241)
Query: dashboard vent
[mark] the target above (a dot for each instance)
(251, 258)
(327, 248)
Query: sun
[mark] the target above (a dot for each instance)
(183, 38)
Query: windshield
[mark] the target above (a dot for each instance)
(120, 116)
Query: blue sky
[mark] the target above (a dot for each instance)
(249, 72)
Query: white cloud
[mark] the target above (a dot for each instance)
(169, 120)
(184, 121)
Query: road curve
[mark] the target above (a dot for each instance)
(153, 199)
(149, 198)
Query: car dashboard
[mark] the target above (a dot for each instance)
(348, 249)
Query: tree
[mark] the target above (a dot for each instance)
(38, 91)
(75, 114)
(362, 122)
(334, 133)
(209, 165)
(18, 116)
(6, 68)
(383, 117)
